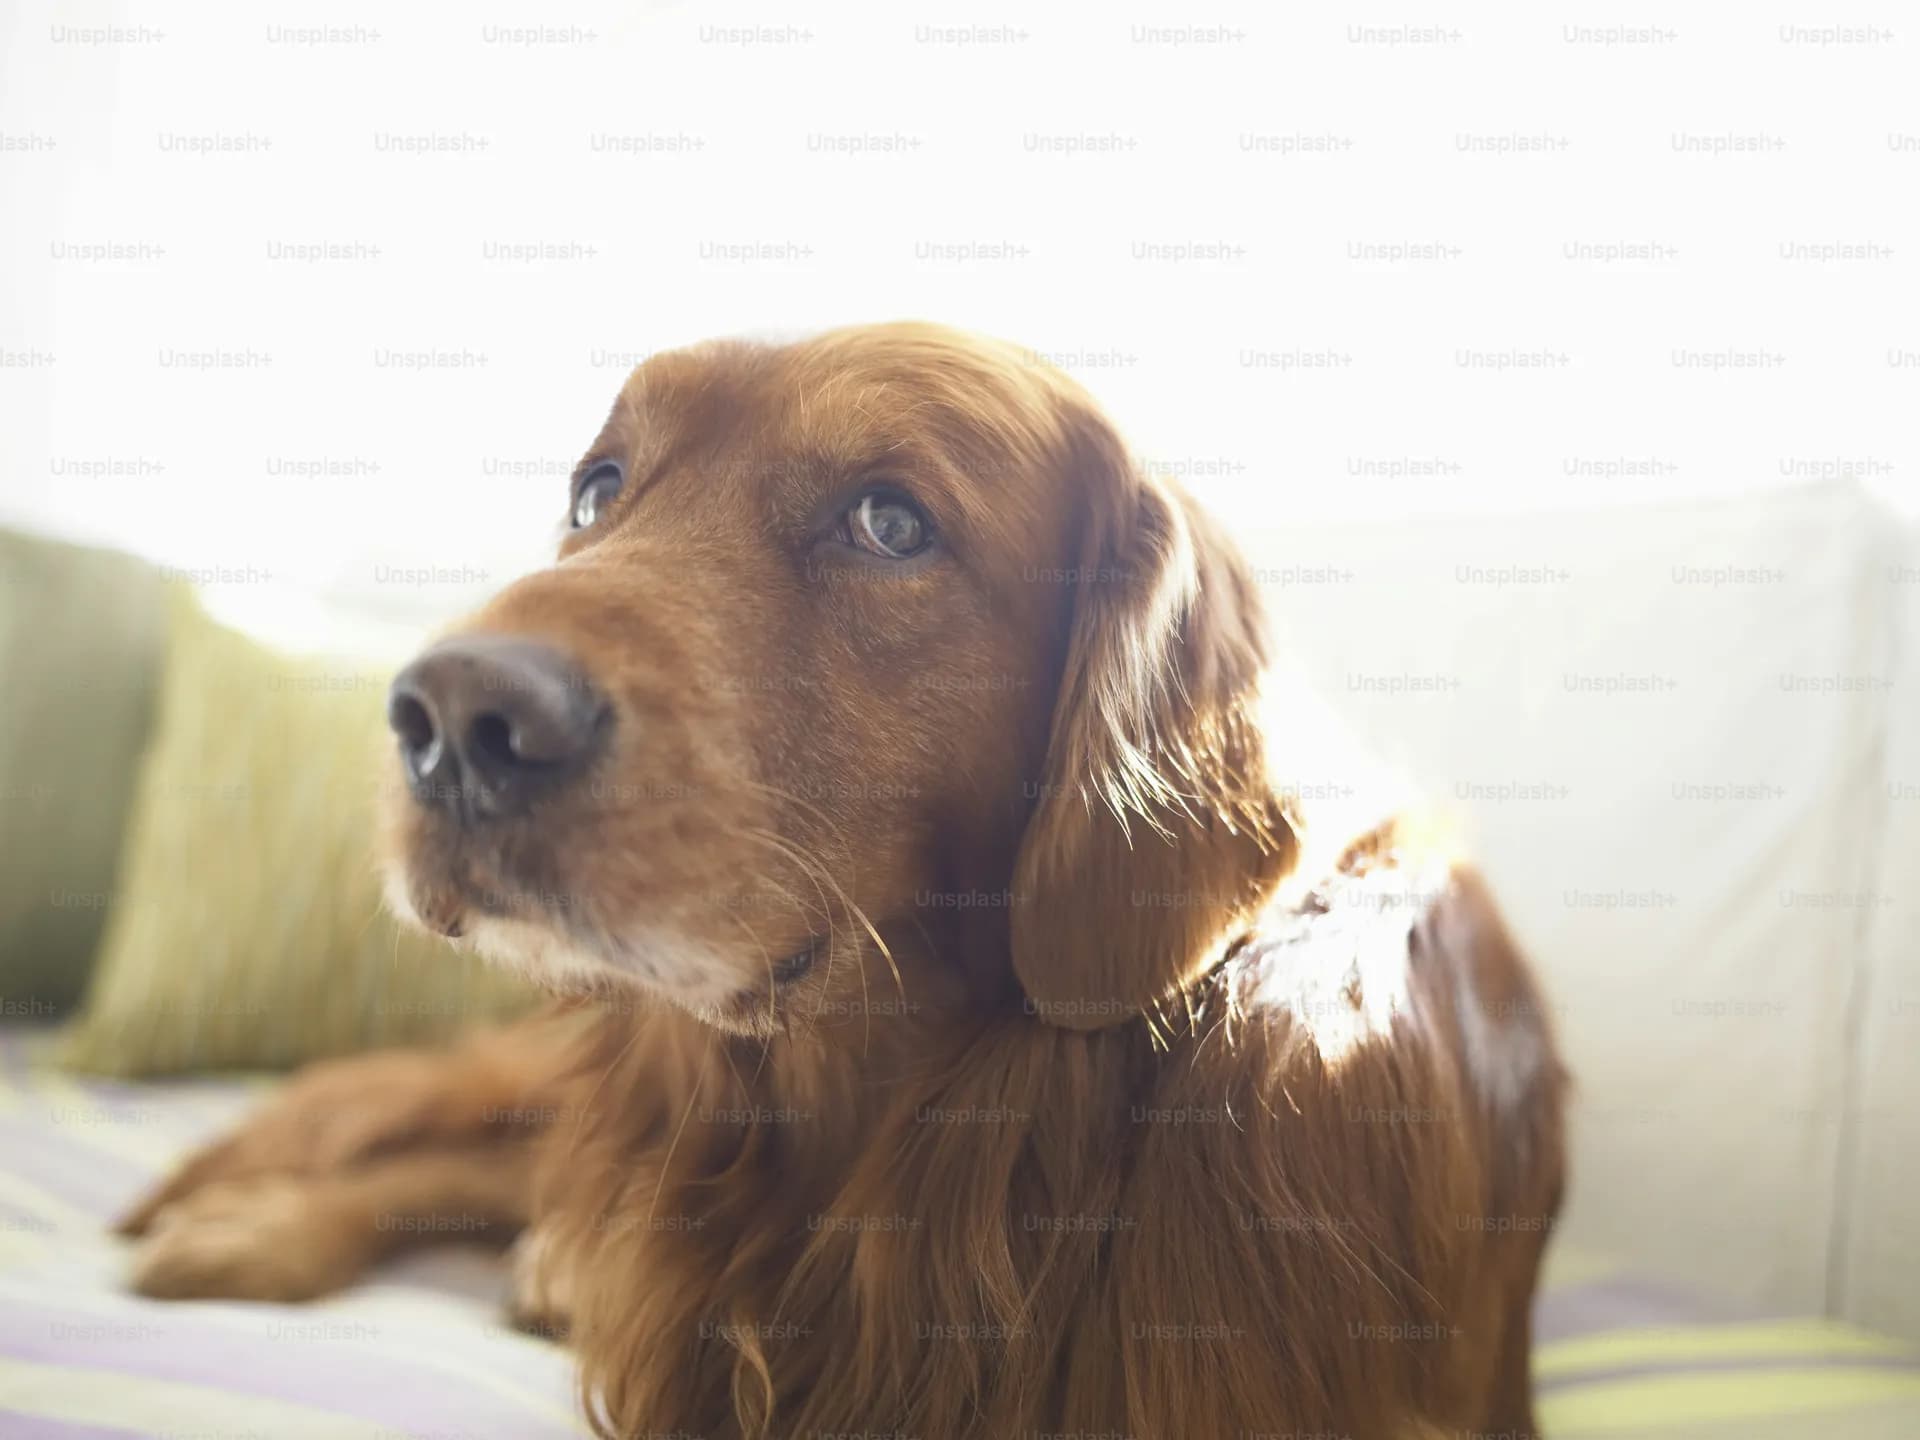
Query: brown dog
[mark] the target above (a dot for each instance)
(970, 1048)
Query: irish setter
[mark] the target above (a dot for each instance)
(963, 1032)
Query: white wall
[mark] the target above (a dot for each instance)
(641, 258)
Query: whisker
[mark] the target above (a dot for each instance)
(666, 1163)
(766, 959)
(812, 871)
(587, 1104)
(809, 868)
(866, 923)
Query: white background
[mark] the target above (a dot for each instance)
(160, 161)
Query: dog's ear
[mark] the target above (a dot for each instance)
(1158, 833)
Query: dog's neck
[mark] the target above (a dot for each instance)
(849, 1040)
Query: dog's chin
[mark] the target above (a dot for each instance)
(645, 966)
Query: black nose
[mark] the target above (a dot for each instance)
(489, 722)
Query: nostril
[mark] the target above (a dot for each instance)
(491, 740)
(419, 736)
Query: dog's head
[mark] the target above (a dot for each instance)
(872, 679)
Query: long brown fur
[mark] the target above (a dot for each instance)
(1105, 1109)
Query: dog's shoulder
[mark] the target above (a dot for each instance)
(1398, 942)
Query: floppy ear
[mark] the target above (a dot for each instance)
(1158, 833)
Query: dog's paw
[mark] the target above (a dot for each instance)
(537, 1297)
(267, 1239)
(332, 1114)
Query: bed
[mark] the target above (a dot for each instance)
(420, 1351)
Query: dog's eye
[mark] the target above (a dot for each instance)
(888, 525)
(595, 494)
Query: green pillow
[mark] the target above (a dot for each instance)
(81, 636)
(248, 930)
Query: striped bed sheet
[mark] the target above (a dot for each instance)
(419, 1352)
